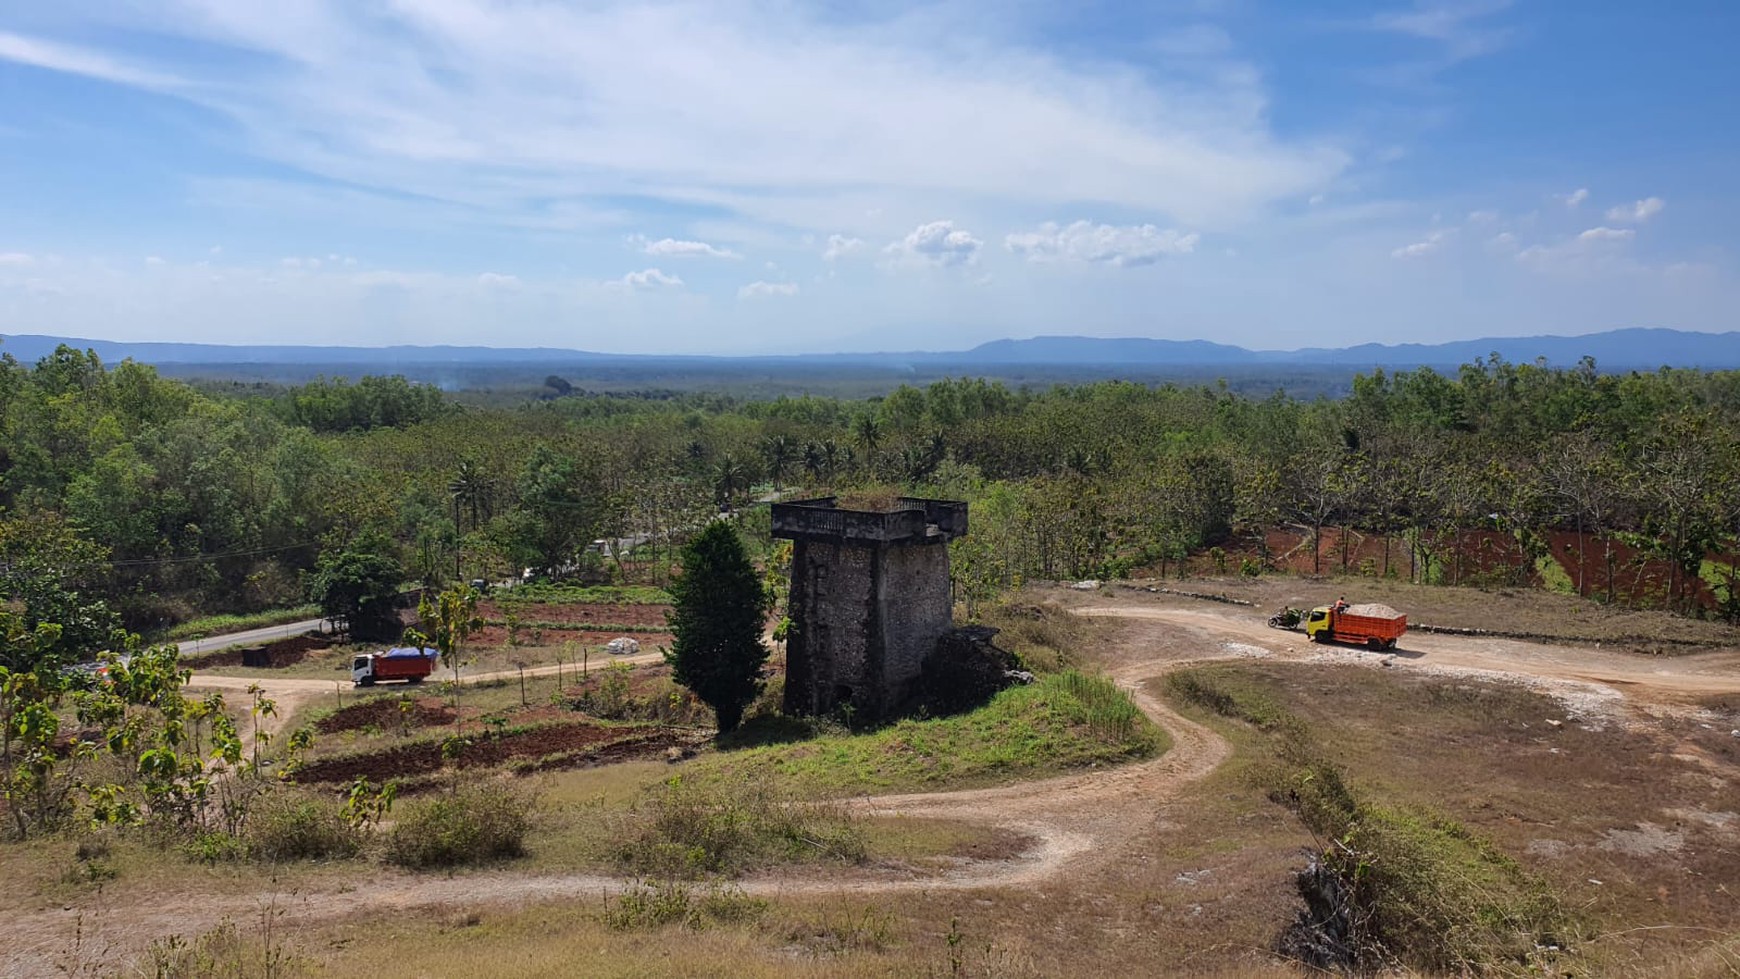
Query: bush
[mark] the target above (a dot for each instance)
(295, 826)
(474, 824)
(653, 904)
(690, 829)
(215, 846)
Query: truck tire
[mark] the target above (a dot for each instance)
(367, 681)
(413, 680)
(1374, 644)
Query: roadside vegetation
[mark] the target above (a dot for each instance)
(217, 625)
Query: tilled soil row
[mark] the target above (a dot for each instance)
(385, 713)
(424, 757)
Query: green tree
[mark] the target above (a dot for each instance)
(358, 585)
(445, 623)
(50, 571)
(719, 606)
(560, 509)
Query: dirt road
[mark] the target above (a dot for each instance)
(1078, 822)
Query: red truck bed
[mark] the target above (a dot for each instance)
(1365, 623)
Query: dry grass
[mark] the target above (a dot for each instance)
(1574, 803)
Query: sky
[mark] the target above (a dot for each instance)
(755, 176)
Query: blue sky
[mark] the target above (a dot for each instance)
(741, 176)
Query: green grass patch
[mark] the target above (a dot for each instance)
(588, 594)
(1554, 577)
(217, 625)
(685, 828)
(1062, 721)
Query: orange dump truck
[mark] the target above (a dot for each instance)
(407, 664)
(1371, 625)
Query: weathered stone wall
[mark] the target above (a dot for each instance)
(917, 608)
(870, 596)
(833, 618)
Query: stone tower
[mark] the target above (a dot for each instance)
(869, 597)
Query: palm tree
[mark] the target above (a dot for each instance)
(815, 464)
(730, 478)
(831, 458)
(470, 488)
(869, 435)
(777, 449)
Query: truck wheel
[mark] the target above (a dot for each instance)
(1374, 644)
(366, 682)
(413, 680)
(1390, 645)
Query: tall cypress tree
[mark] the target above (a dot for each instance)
(719, 608)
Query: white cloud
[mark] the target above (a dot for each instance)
(1082, 241)
(687, 249)
(154, 260)
(1483, 216)
(498, 280)
(937, 243)
(759, 289)
(649, 279)
(840, 246)
(1595, 249)
(1420, 249)
(1451, 23)
(38, 53)
(1636, 212)
(777, 118)
(16, 258)
(1575, 197)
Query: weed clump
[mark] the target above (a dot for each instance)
(473, 824)
(688, 829)
(292, 826)
(655, 904)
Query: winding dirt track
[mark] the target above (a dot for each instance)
(1077, 822)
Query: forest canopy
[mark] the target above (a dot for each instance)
(127, 499)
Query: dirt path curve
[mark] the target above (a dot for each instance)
(1078, 822)
(1665, 679)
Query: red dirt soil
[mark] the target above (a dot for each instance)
(1637, 579)
(495, 635)
(423, 757)
(384, 713)
(579, 613)
(284, 652)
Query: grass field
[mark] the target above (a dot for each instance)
(1049, 726)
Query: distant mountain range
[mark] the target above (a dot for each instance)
(1616, 349)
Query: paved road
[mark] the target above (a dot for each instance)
(252, 637)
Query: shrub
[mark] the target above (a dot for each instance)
(296, 826)
(215, 846)
(473, 824)
(653, 904)
(690, 829)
